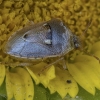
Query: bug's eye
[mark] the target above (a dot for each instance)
(76, 41)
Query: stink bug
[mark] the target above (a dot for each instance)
(43, 40)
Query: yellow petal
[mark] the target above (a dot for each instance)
(15, 86)
(2, 73)
(18, 86)
(29, 88)
(97, 54)
(63, 84)
(89, 73)
(30, 70)
(9, 86)
(81, 78)
(45, 76)
(91, 61)
(92, 68)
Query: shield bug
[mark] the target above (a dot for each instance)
(43, 40)
(35, 42)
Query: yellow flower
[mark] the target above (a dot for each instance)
(83, 65)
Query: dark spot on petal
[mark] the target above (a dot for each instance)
(30, 96)
(28, 84)
(69, 81)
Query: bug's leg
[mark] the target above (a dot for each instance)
(64, 64)
(95, 57)
(62, 58)
(88, 25)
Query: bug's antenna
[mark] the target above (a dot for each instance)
(89, 24)
(82, 35)
(84, 32)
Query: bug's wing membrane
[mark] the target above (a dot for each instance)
(32, 50)
(38, 45)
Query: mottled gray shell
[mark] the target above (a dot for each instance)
(42, 40)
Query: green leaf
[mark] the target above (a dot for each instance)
(55, 96)
(44, 94)
(40, 92)
(84, 95)
(3, 91)
(87, 96)
(2, 98)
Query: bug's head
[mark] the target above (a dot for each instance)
(76, 41)
(79, 40)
